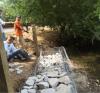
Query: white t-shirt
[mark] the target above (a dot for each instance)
(1, 23)
(10, 48)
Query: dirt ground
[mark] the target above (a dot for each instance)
(85, 82)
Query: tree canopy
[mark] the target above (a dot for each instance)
(74, 18)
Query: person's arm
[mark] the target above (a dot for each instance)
(13, 48)
(6, 48)
(2, 22)
(18, 25)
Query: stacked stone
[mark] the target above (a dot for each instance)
(14, 67)
(52, 78)
(44, 84)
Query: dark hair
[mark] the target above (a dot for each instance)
(18, 16)
(11, 37)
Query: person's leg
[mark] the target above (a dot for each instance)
(23, 44)
(3, 36)
(24, 54)
(21, 40)
(18, 42)
(17, 54)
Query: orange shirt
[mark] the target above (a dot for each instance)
(18, 28)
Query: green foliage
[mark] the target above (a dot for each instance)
(74, 18)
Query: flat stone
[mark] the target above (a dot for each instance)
(31, 91)
(65, 80)
(65, 89)
(50, 90)
(28, 87)
(53, 82)
(52, 74)
(24, 91)
(30, 81)
(43, 85)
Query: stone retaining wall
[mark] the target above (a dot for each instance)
(53, 74)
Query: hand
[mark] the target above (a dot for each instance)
(25, 31)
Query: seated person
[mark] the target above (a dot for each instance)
(12, 51)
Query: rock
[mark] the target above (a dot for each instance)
(30, 81)
(65, 80)
(63, 74)
(11, 70)
(31, 91)
(39, 76)
(35, 86)
(52, 74)
(50, 90)
(20, 67)
(39, 80)
(11, 65)
(45, 78)
(19, 71)
(43, 85)
(46, 28)
(28, 87)
(41, 28)
(65, 89)
(53, 82)
(24, 91)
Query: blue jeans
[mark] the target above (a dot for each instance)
(3, 36)
(19, 54)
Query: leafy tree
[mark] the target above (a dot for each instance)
(76, 19)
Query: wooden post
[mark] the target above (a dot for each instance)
(5, 83)
(35, 40)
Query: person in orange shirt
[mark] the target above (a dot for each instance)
(19, 31)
